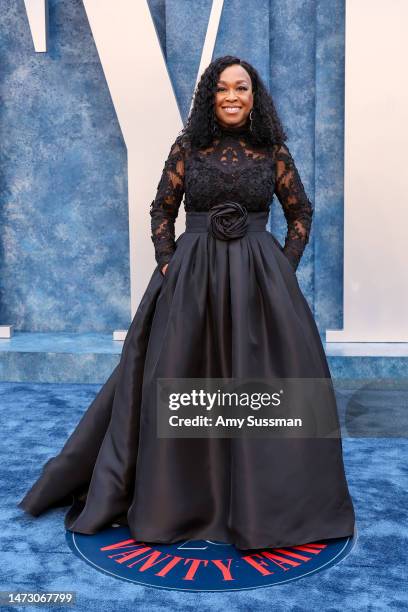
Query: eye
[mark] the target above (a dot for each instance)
(220, 88)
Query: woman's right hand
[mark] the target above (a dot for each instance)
(164, 268)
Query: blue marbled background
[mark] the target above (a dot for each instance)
(64, 251)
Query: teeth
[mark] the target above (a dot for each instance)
(231, 109)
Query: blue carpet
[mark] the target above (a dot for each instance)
(37, 419)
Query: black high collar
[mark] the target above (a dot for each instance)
(233, 130)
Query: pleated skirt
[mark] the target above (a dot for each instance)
(224, 309)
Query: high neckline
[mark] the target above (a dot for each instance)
(234, 130)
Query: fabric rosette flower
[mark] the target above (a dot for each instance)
(228, 220)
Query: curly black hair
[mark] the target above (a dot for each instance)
(202, 127)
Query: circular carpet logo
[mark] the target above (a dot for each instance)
(203, 565)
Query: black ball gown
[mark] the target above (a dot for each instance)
(229, 305)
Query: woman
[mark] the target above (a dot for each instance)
(222, 302)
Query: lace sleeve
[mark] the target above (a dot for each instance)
(164, 208)
(297, 208)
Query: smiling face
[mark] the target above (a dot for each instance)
(233, 96)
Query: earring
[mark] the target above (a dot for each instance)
(250, 119)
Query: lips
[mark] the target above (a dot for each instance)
(231, 109)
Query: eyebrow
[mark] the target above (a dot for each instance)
(238, 81)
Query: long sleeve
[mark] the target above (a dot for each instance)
(164, 208)
(297, 208)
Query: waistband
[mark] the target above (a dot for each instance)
(198, 221)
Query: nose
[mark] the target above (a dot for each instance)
(231, 96)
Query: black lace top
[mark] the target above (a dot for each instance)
(232, 168)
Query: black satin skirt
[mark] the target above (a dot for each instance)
(224, 308)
